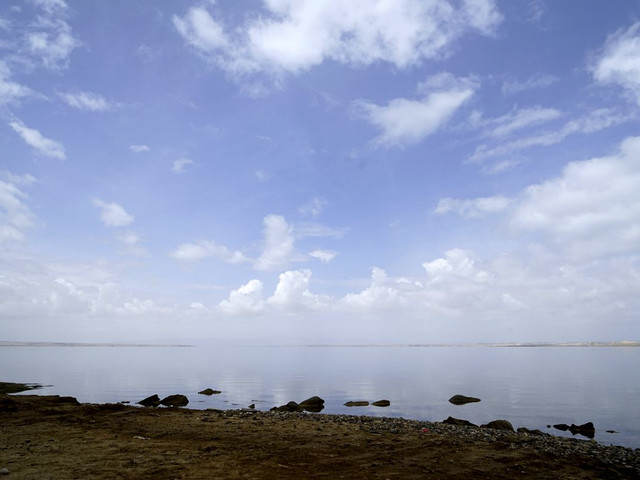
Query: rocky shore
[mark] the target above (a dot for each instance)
(58, 438)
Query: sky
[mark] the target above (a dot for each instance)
(319, 171)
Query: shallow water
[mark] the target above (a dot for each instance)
(531, 387)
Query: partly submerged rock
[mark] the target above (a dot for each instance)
(209, 391)
(561, 426)
(499, 425)
(458, 422)
(462, 399)
(381, 403)
(357, 403)
(313, 404)
(176, 400)
(586, 430)
(289, 407)
(152, 401)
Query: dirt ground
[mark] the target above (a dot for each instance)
(55, 438)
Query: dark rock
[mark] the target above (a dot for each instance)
(152, 401)
(313, 404)
(462, 399)
(381, 403)
(586, 430)
(458, 422)
(209, 391)
(499, 425)
(611, 431)
(289, 407)
(357, 403)
(176, 400)
(561, 426)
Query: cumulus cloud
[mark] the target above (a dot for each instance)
(113, 215)
(472, 208)
(278, 244)
(618, 62)
(404, 122)
(41, 144)
(457, 264)
(592, 208)
(244, 300)
(192, 252)
(295, 35)
(292, 292)
(88, 101)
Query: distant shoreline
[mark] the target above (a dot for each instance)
(85, 344)
(625, 343)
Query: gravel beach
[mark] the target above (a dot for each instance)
(50, 437)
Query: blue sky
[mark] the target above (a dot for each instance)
(310, 171)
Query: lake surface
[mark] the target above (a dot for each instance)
(529, 386)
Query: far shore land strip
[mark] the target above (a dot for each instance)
(623, 343)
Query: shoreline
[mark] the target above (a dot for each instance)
(61, 438)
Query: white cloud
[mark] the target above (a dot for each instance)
(89, 101)
(15, 215)
(592, 209)
(10, 91)
(113, 215)
(405, 122)
(324, 256)
(295, 35)
(50, 40)
(278, 244)
(594, 121)
(292, 292)
(472, 208)
(511, 87)
(516, 120)
(131, 244)
(244, 300)
(192, 252)
(33, 138)
(457, 264)
(180, 164)
(314, 207)
(139, 148)
(383, 293)
(619, 61)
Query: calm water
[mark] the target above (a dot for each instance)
(531, 387)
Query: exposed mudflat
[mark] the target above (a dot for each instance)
(49, 437)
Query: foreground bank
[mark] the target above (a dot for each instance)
(57, 438)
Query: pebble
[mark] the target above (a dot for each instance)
(4, 471)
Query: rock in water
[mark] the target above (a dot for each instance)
(313, 404)
(586, 429)
(561, 426)
(459, 422)
(209, 391)
(381, 403)
(174, 401)
(152, 401)
(462, 399)
(499, 425)
(357, 403)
